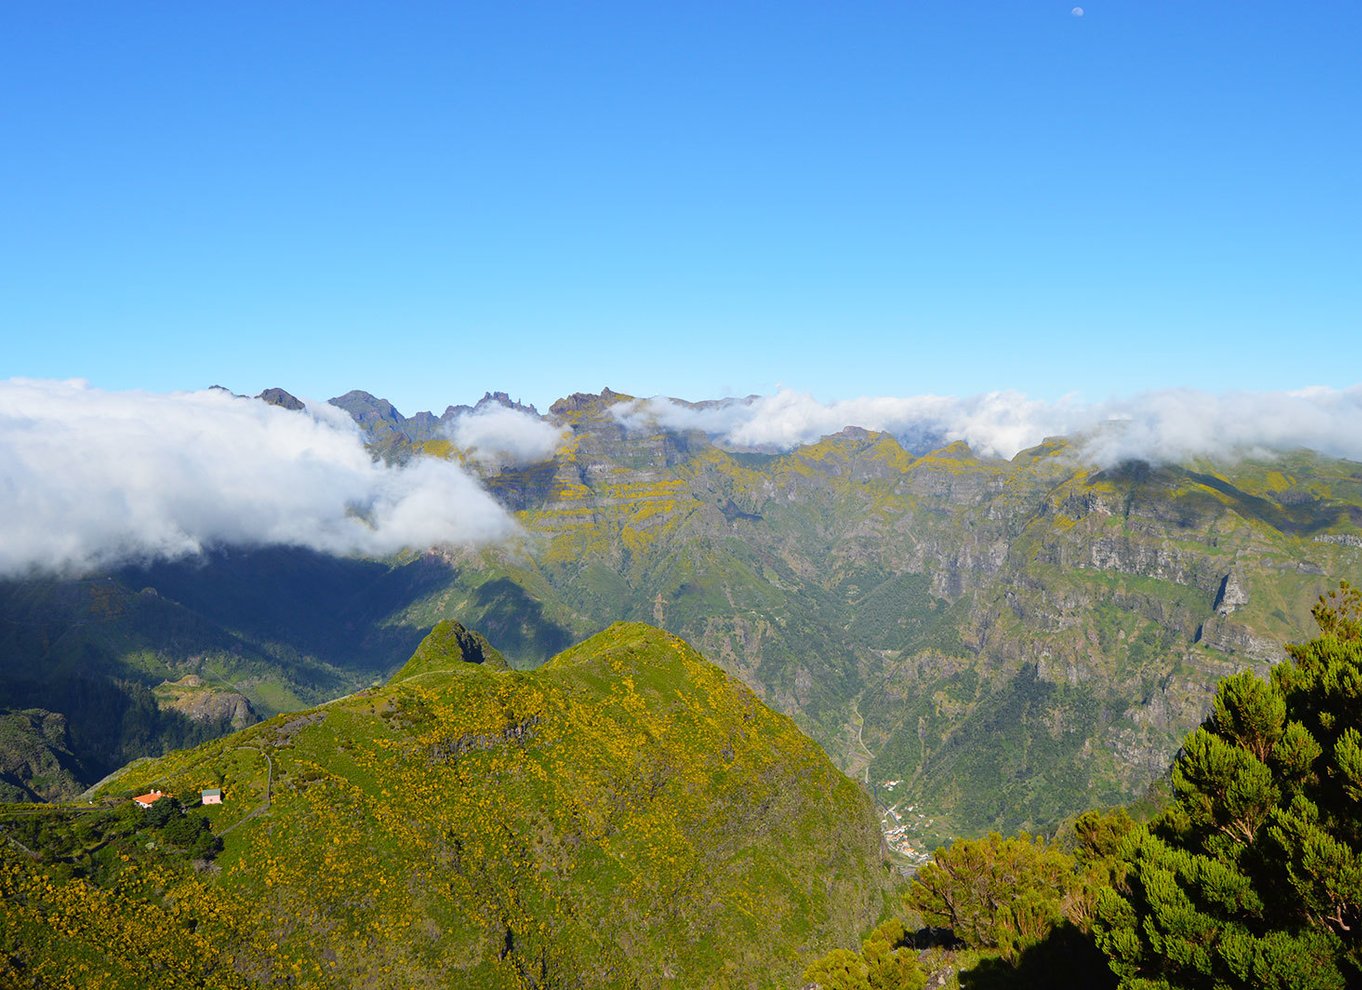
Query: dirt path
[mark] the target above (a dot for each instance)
(861, 758)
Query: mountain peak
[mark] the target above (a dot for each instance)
(278, 397)
(446, 647)
(489, 400)
(587, 402)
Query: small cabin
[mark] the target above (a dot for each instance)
(147, 800)
(211, 795)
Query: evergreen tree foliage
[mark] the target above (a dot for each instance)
(995, 892)
(1253, 875)
(1020, 907)
(887, 961)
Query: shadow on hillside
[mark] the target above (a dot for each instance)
(516, 625)
(329, 607)
(1067, 958)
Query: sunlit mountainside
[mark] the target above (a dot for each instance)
(625, 815)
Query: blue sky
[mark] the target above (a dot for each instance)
(430, 200)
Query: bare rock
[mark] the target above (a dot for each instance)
(1231, 595)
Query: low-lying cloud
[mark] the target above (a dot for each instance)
(90, 478)
(499, 436)
(1160, 426)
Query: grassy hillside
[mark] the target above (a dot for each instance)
(626, 816)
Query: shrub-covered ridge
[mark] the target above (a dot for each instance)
(628, 815)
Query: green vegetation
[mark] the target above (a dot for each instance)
(627, 815)
(995, 893)
(84, 891)
(887, 961)
(1002, 912)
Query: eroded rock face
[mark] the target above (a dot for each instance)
(225, 708)
(1231, 595)
(1235, 639)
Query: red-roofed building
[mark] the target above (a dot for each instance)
(147, 800)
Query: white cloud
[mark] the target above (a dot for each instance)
(497, 435)
(1175, 425)
(1156, 426)
(90, 478)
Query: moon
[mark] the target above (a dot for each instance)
(1077, 11)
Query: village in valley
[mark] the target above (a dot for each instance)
(903, 827)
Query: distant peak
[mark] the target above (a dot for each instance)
(357, 395)
(504, 399)
(365, 407)
(957, 449)
(278, 397)
(583, 401)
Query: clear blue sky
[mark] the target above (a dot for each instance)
(430, 200)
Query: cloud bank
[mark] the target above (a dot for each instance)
(1155, 426)
(90, 478)
(499, 436)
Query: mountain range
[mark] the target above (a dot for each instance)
(985, 642)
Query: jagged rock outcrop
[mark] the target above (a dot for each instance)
(448, 646)
(191, 698)
(1217, 633)
(1230, 596)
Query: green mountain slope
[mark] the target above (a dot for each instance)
(627, 815)
(36, 762)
